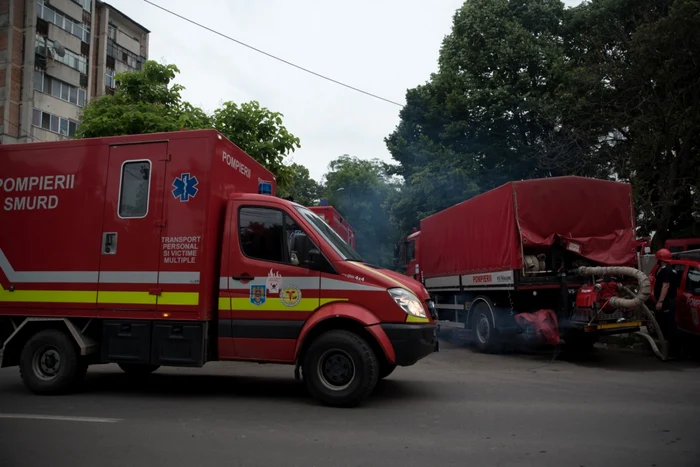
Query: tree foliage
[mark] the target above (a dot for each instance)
(145, 101)
(302, 188)
(526, 88)
(631, 105)
(259, 132)
(479, 121)
(359, 189)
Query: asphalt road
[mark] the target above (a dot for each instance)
(457, 408)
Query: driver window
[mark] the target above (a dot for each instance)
(269, 234)
(299, 247)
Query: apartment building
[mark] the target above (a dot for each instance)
(56, 56)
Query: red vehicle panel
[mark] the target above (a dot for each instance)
(594, 217)
(687, 266)
(172, 249)
(337, 223)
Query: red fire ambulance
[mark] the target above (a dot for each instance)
(171, 250)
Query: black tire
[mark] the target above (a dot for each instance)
(485, 334)
(385, 370)
(137, 369)
(50, 364)
(340, 368)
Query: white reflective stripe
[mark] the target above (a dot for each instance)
(303, 282)
(178, 277)
(335, 284)
(94, 277)
(122, 277)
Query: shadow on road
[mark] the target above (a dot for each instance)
(190, 384)
(600, 357)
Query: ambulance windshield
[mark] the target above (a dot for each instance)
(331, 236)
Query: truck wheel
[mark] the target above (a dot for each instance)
(385, 369)
(138, 369)
(484, 332)
(50, 364)
(340, 368)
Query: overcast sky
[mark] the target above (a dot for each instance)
(381, 46)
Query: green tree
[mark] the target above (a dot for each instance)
(304, 189)
(631, 104)
(145, 101)
(359, 189)
(479, 122)
(259, 132)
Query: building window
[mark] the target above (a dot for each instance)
(118, 52)
(70, 59)
(112, 32)
(72, 26)
(86, 4)
(54, 123)
(109, 78)
(59, 89)
(133, 193)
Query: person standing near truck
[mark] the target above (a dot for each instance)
(665, 287)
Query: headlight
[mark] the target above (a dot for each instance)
(408, 302)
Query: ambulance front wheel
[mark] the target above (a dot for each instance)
(50, 363)
(340, 368)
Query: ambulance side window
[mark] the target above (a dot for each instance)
(134, 189)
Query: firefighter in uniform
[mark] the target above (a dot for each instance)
(665, 289)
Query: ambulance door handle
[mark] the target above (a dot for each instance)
(109, 243)
(244, 278)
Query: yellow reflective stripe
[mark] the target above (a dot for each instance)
(178, 298)
(47, 296)
(416, 319)
(224, 303)
(274, 304)
(116, 297)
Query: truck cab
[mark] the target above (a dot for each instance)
(406, 254)
(687, 267)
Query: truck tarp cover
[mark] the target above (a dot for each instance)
(484, 234)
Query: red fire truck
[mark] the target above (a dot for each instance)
(530, 259)
(336, 222)
(172, 250)
(687, 267)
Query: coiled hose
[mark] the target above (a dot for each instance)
(637, 300)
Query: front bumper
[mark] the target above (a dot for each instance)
(411, 342)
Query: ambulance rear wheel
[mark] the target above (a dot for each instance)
(340, 368)
(137, 369)
(50, 363)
